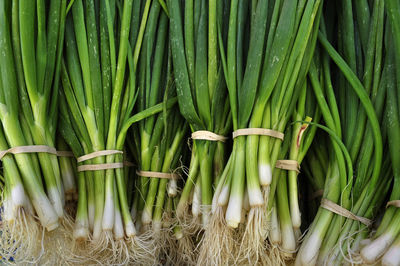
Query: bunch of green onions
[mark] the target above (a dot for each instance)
(362, 108)
(31, 41)
(158, 139)
(385, 242)
(196, 27)
(265, 72)
(285, 212)
(99, 88)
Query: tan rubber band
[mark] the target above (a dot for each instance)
(128, 164)
(65, 154)
(258, 131)
(394, 203)
(157, 174)
(316, 194)
(333, 207)
(100, 166)
(292, 165)
(97, 154)
(208, 135)
(28, 149)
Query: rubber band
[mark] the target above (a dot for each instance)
(100, 166)
(290, 252)
(35, 149)
(128, 164)
(394, 203)
(28, 149)
(208, 135)
(97, 154)
(157, 174)
(316, 194)
(333, 207)
(291, 165)
(65, 154)
(258, 131)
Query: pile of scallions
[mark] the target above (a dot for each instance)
(200, 132)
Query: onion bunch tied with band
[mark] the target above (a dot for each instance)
(265, 72)
(196, 28)
(99, 89)
(158, 141)
(384, 244)
(350, 202)
(31, 41)
(285, 218)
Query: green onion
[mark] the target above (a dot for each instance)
(194, 31)
(385, 241)
(97, 101)
(29, 89)
(263, 90)
(294, 148)
(31, 42)
(160, 136)
(364, 193)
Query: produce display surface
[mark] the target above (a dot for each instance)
(200, 132)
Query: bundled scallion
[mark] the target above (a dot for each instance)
(356, 121)
(158, 140)
(31, 41)
(103, 42)
(196, 27)
(385, 242)
(265, 72)
(286, 217)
